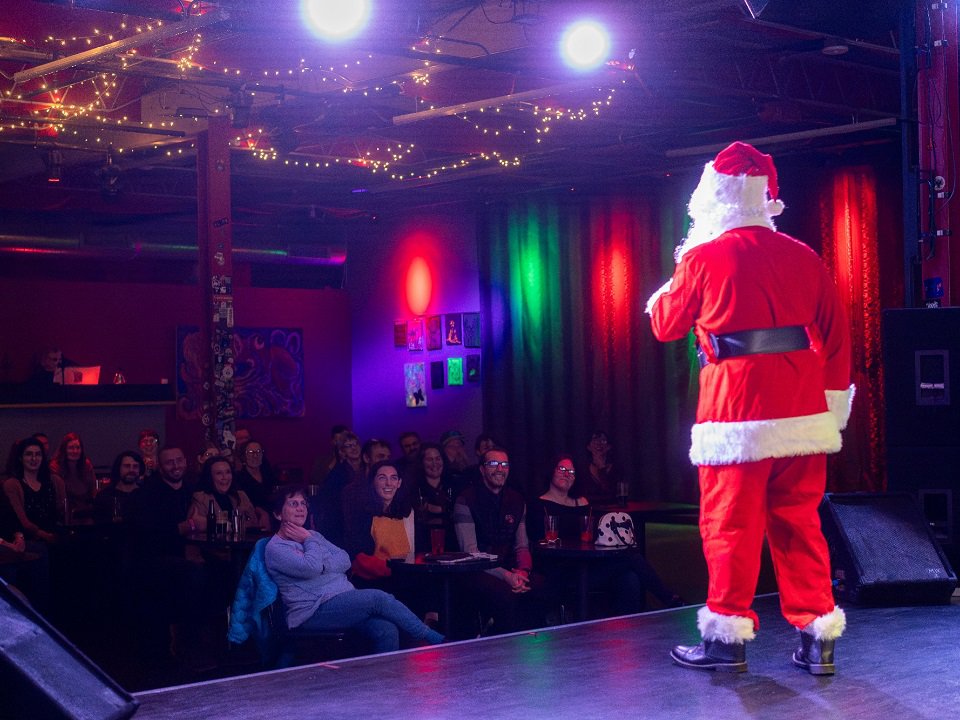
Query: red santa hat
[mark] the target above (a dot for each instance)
(739, 186)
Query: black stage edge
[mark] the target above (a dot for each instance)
(891, 663)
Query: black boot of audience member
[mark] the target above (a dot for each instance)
(712, 655)
(814, 656)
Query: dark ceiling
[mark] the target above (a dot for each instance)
(441, 101)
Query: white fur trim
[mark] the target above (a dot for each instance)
(840, 403)
(656, 296)
(732, 201)
(829, 626)
(729, 443)
(725, 628)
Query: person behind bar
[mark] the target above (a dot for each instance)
(774, 395)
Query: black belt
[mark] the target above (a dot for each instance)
(753, 342)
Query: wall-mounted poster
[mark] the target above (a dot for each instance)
(436, 375)
(434, 332)
(454, 371)
(266, 369)
(415, 334)
(471, 330)
(415, 383)
(454, 328)
(473, 368)
(400, 333)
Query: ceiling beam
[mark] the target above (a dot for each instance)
(154, 35)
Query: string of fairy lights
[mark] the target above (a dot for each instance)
(87, 122)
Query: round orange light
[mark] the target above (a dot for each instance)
(419, 286)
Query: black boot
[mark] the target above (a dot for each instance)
(712, 655)
(814, 656)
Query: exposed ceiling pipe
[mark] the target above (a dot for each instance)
(73, 247)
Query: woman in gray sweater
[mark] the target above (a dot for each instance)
(310, 573)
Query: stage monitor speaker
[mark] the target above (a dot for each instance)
(43, 676)
(883, 552)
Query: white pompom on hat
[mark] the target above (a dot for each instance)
(739, 187)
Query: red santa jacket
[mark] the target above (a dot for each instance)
(760, 406)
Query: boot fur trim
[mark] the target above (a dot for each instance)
(829, 626)
(725, 628)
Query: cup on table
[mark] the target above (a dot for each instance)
(623, 492)
(586, 528)
(222, 519)
(239, 525)
(551, 528)
(438, 539)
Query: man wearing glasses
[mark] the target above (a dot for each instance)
(490, 517)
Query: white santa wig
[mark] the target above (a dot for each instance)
(738, 188)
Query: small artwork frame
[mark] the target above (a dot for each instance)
(472, 373)
(415, 334)
(471, 330)
(436, 375)
(454, 371)
(435, 332)
(400, 333)
(453, 328)
(415, 384)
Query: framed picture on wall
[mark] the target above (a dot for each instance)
(436, 375)
(473, 368)
(453, 328)
(471, 330)
(455, 371)
(415, 334)
(400, 333)
(415, 384)
(434, 332)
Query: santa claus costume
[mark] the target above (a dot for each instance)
(774, 395)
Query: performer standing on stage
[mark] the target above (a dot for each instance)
(774, 395)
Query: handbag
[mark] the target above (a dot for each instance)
(615, 529)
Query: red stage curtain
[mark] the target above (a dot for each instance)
(849, 228)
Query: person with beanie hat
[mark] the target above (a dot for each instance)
(775, 394)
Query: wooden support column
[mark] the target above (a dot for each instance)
(215, 239)
(938, 111)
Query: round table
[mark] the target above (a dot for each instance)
(581, 555)
(423, 567)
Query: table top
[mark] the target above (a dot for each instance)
(423, 565)
(648, 508)
(579, 549)
(227, 541)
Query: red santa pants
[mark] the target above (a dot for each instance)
(779, 497)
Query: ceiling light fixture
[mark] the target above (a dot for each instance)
(585, 45)
(335, 20)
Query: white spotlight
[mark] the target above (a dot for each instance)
(336, 19)
(585, 45)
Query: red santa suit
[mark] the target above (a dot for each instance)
(766, 420)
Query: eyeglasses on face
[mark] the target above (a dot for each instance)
(566, 470)
(254, 452)
(297, 504)
(494, 464)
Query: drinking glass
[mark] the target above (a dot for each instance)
(552, 529)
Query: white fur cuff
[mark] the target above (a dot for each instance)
(829, 626)
(656, 296)
(725, 628)
(840, 402)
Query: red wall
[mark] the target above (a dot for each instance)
(133, 326)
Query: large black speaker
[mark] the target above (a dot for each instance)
(921, 368)
(42, 675)
(882, 551)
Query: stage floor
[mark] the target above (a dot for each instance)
(891, 663)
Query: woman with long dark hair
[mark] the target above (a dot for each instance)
(255, 477)
(217, 485)
(33, 494)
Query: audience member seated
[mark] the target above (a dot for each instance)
(599, 482)
(483, 443)
(256, 477)
(167, 499)
(75, 472)
(625, 580)
(378, 526)
(33, 494)
(310, 573)
(490, 517)
(434, 499)
(119, 502)
(149, 442)
(328, 461)
(48, 367)
(455, 458)
(408, 463)
(31, 576)
(210, 450)
(327, 505)
(216, 485)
